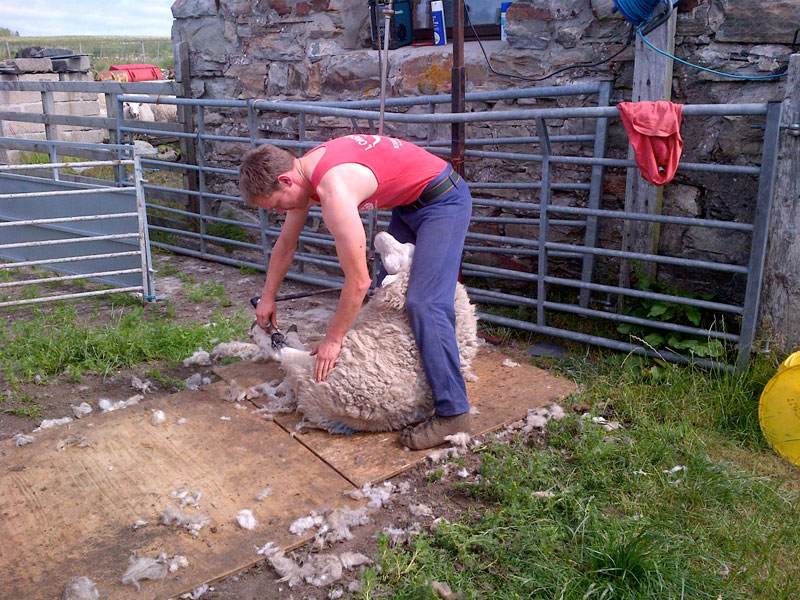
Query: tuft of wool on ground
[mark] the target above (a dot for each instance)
(246, 520)
(81, 588)
(80, 411)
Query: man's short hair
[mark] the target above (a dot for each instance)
(258, 173)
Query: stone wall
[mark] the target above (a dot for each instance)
(320, 50)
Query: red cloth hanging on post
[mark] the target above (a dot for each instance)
(654, 129)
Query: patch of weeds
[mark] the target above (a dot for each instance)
(227, 231)
(435, 475)
(23, 406)
(51, 343)
(679, 314)
(205, 291)
(245, 270)
(165, 381)
(166, 269)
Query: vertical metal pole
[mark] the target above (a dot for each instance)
(544, 203)
(301, 136)
(373, 222)
(120, 174)
(201, 175)
(50, 131)
(758, 245)
(387, 11)
(148, 286)
(595, 192)
(263, 218)
(459, 84)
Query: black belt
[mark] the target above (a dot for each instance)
(429, 194)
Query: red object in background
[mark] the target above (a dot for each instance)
(654, 129)
(139, 72)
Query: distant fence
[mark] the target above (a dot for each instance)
(153, 50)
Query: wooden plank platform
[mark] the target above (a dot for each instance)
(501, 394)
(69, 512)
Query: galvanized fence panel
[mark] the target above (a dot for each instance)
(580, 152)
(81, 232)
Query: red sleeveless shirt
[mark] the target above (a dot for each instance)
(401, 168)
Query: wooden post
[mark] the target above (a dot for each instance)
(652, 80)
(186, 117)
(780, 298)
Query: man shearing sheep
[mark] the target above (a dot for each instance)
(431, 208)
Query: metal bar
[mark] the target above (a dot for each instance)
(89, 145)
(52, 261)
(68, 219)
(602, 342)
(88, 163)
(95, 238)
(62, 193)
(66, 296)
(476, 294)
(544, 201)
(758, 246)
(621, 214)
(718, 306)
(201, 175)
(595, 191)
(148, 285)
(613, 162)
(703, 110)
(98, 87)
(67, 277)
(653, 258)
(302, 277)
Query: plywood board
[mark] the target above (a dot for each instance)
(69, 512)
(501, 394)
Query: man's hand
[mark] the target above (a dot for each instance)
(266, 312)
(327, 353)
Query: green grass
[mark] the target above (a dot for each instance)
(55, 342)
(23, 406)
(205, 291)
(620, 525)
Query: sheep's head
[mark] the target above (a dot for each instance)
(395, 256)
(291, 343)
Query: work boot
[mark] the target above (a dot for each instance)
(432, 432)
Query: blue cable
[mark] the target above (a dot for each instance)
(636, 12)
(731, 75)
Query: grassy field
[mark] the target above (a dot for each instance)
(684, 501)
(104, 51)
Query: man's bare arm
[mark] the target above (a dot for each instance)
(279, 262)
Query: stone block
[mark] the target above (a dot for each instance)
(756, 21)
(31, 65)
(192, 9)
(78, 108)
(71, 64)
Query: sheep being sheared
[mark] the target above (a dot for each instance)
(379, 383)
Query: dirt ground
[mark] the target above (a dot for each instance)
(312, 315)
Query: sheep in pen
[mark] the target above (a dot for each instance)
(379, 383)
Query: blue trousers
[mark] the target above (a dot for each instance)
(438, 230)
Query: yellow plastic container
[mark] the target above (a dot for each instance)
(779, 410)
(793, 360)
